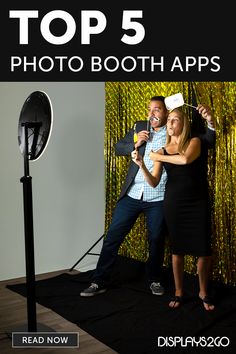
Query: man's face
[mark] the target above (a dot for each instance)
(157, 114)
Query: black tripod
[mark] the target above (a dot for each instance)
(88, 253)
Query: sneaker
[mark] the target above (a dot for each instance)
(157, 288)
(93, 290)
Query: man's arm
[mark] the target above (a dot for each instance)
(152, 178)
(209, 137)
(126, 145)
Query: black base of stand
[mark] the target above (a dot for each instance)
(24, 329)
(87, 253)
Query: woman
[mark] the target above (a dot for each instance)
(186, 205)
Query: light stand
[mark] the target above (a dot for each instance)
(29, 230)
(34, 131)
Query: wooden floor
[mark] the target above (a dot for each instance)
(13, 313)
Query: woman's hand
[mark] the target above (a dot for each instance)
(155, 156)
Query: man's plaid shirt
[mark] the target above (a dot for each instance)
(140, 188)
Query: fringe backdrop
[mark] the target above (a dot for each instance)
(127, 102)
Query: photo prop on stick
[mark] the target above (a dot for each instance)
(175, 101)
(135, 134)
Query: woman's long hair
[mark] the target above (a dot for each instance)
(185, 134)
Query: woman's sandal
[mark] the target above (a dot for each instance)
(208, 303)
(177, 301)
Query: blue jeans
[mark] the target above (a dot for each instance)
(125, 214)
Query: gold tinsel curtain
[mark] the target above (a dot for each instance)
(127, 102)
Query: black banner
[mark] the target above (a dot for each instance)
(86, 41)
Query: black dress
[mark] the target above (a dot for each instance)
(186, 207)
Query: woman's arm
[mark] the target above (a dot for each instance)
(192, 153)
(152, 178)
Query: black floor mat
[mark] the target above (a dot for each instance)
(129, 319)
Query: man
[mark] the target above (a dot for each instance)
(136, 197)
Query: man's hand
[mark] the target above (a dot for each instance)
(142, 137)
(207, 114)
(137, 158)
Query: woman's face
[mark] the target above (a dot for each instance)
(174, 124)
